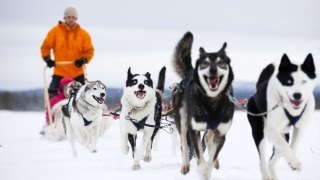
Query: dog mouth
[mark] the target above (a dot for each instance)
(213, 82)
(100, 100)
(295, 103)
(140, 94)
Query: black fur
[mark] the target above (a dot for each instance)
(210, 110)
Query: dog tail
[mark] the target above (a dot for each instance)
(161, 80)
(182, 55)
(265, 74)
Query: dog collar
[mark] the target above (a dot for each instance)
(294, 119)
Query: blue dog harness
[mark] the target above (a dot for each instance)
(293, 119)
(86, 122)
(138, 124)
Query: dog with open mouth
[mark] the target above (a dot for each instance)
(285, 100)
(84, 115)
(201, 103)
(140, 112)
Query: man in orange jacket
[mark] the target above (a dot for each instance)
(72, 48)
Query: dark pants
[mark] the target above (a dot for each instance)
(53, 88)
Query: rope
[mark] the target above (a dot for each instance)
(241, 107)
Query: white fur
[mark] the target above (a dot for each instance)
(138, 109)
(277, 122)
(88, 107)
(204, 84)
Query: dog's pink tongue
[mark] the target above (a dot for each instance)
(213, 81)
(295, 103)
(140, 94)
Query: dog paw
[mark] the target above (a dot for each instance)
(185, 169)
(295, 165)
(136, 167)
(147, 158)
(125, 149)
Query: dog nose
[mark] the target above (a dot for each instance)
(213, 69)
(102, 94)
(297, 96)
(141, 86)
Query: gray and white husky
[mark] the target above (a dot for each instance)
(285, 93)
(141, 111)
(84, 117)
(201, 103)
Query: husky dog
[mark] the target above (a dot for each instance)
(84, 116)
(141, 111)
(201, 102)
(285, 93)
(72, 88)
(56, 130)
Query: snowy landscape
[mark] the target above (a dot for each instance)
(25, 154)
(142, 34)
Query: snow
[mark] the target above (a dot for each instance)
(25, 154)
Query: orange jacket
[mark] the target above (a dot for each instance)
(67, 45)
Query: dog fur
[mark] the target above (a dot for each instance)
(141, 104)
(85, 115)
(291, 85)
(201, 102)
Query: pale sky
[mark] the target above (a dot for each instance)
(142, 34)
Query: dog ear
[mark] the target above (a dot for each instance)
(308, 66)
(203, 52)
(148, 75)
(129, 73)
(285, 63)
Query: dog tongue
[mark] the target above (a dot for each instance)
(296, 103)
(213, 81)
(140, 94)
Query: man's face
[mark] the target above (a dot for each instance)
(70, 20)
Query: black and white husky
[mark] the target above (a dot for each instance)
(201, 102)
(285, 95)
(141, 111)
(84, 117)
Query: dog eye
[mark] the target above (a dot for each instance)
(221, 63)
(94, 88)
(133, 82)
(146, 82)
(205, 64)
(289, 82)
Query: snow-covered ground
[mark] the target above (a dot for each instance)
(25, 154)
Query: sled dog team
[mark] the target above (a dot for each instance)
(202, 102)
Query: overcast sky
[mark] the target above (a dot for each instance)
(144, 31)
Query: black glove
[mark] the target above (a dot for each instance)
(49, 61)
(80, 62)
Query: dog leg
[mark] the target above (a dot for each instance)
(70, 136)
(285, 149)
(94, 139)
(132, 140)
(147, 156)
(296, 138)
(264, 168)
(124, 140)
(146, 138)
(275, 157)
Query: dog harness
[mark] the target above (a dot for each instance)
(293, 119)
(138, 124)
(86, 122)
